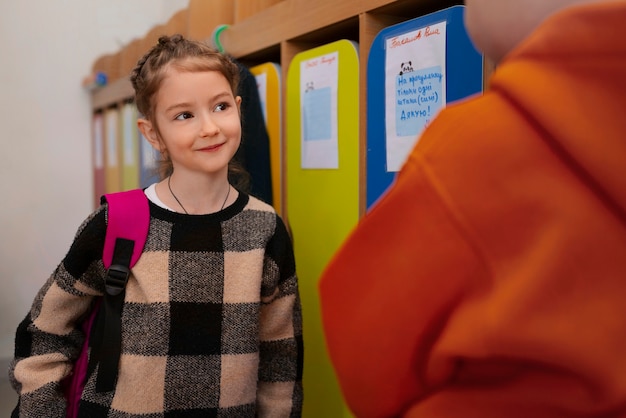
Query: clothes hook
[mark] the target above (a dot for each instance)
(216, 37)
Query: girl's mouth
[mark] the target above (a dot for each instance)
(212, 147)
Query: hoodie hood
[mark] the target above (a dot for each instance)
(582, 46)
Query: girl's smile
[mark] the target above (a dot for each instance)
(212, 148)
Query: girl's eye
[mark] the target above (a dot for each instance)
(183, 116)
(221, 107)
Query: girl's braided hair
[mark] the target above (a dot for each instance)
(185, 55)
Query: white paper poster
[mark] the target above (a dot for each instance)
(415, 88)
(111, 135)
(130, 159)
(149, 156)
(318, 92)
(98, 146)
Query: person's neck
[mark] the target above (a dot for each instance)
(197, 196)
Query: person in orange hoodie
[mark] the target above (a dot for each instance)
(490, 279)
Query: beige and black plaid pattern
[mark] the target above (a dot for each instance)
(211, 320)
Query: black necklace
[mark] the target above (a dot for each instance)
(169, 186)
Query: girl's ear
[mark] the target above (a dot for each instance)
(148, 131)
(238, 101)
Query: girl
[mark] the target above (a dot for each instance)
(211, 318)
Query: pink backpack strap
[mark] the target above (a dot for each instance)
(129, 218)
(128, 221)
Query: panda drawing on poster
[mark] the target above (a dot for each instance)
(415, 87)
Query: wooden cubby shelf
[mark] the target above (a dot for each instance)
(288, 27)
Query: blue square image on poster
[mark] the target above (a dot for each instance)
(317, 120)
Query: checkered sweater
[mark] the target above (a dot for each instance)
(211, 324)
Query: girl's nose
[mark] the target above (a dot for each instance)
(209, 126)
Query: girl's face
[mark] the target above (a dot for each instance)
(198, 120)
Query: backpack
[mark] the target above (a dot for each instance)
(128, 219)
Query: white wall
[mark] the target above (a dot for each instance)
(46, 48)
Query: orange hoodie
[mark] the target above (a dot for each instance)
(490, 279)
